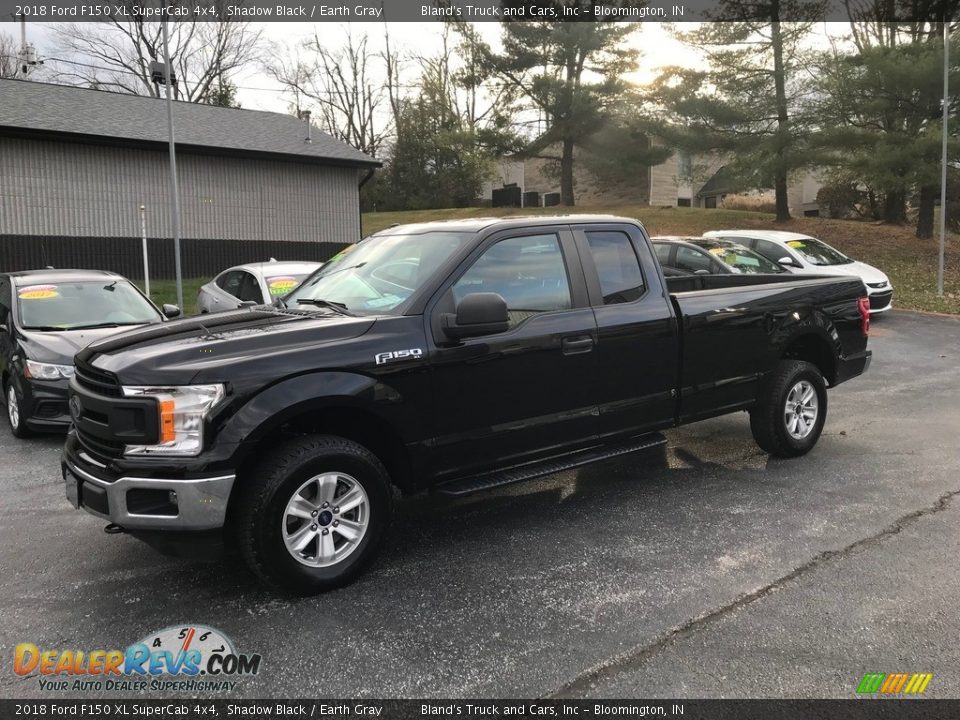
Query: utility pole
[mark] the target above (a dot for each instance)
(174, 190)
(146, 255)
(943, 155)
(27, 58)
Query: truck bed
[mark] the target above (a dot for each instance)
(693, 283)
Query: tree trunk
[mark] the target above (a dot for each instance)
(894, 207)
(566, 174)
(928, 194)
(783, 118)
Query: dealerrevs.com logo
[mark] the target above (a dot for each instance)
(182, 658)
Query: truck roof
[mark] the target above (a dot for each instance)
(486, 223)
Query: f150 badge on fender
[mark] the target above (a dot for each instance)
(385, 357)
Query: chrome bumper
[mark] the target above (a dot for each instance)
(201, 504)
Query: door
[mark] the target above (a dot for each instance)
(638, 348)
(515, 396)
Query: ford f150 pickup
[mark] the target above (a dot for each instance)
(451, 357)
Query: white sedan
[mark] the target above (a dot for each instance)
(806, 255)
(253, 284)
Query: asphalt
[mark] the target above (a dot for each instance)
(704, 570)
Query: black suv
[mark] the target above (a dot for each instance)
(46, 317)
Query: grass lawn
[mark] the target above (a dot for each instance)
(910, 263)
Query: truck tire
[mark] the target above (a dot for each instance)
(313, 514)
(791, 409)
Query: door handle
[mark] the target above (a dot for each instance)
(576, 345)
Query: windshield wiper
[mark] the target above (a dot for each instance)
(97, 326)
(333, 305)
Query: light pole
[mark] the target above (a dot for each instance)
(174, 191)
(943, 155)
(146, 255)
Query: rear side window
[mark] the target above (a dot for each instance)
(617, 265)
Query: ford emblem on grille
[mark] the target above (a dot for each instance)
(75, 407)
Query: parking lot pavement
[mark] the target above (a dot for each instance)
(708, 569)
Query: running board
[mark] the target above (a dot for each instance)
(487, 481)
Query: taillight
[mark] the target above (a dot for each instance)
(863, 305)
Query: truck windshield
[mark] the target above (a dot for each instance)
(818, 253)
(378, 274)
(82, 305)
(739, 258)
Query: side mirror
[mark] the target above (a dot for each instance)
(477, 314)
(171, 311)
(788, 261)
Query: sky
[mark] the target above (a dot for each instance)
(258, 91)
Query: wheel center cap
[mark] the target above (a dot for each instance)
(325, 518)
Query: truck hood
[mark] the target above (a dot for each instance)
(59, 346)
(210, 347)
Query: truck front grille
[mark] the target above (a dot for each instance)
(98, 381)
(98, 447)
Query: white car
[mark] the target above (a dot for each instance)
(256, 283)
(806, 255)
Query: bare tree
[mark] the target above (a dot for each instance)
(878, 23)
(116, 54)
(9, 65)
(344, 87)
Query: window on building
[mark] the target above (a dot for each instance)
(683, 202)
(710, 202)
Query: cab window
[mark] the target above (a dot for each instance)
(617, 265)
(528, 272)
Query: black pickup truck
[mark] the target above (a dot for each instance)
(450, 356)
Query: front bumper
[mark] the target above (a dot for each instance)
(145, 503)
(44, 404)
(880, 300)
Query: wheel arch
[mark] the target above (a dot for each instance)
(813, 347)
(348, 405)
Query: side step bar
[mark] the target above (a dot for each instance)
(487, 481)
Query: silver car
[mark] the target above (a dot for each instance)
(255, 283)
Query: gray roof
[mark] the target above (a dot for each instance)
(41, 109)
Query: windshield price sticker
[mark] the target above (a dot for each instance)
(38, 292)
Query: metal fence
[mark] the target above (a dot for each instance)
(200, 258)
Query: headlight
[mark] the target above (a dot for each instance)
(46, 371)
(181, 410)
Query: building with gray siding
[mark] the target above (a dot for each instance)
(77, 164)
